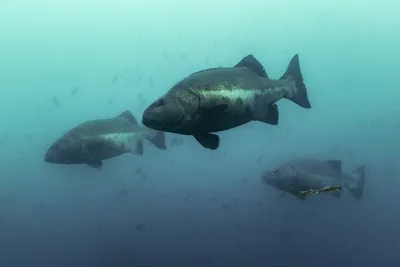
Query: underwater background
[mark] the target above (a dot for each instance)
(66, 62)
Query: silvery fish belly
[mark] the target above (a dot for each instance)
(117, 143)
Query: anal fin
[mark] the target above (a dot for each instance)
(134, 147)
(271, 116)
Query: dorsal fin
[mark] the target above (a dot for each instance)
(128, 115)
(336, 164)
(252, 64)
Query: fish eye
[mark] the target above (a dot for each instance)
(160, 102)
(276, 171)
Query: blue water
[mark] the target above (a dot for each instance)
(65, 62)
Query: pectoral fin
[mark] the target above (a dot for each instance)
(97, 164)
(207, 140)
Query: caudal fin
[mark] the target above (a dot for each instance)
(356, 186)
(158, 139)
(293, 72)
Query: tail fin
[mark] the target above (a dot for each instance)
(293, 72)
(158, 139)
(356, 187)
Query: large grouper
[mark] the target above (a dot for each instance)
(219, 99)
(94, 141)
(303, 177)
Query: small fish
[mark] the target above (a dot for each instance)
(304, 177)
(259, 159)
(219, 99)
(188, 196)
(226, 206)
(56, 102)
(114, 80)
(140, 227)
(139, 170)
(94, 141)
(130, 72)
(123, 192)
(74, 90)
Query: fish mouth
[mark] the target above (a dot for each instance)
(169, 118)
(150, 119)
(269, 178)
(49, 157)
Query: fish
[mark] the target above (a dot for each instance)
(114, 80)
(94, 141)
(56, 102)
(220, 99)
(304, 177)
(74, 90)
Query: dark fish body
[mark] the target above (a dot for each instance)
(94, 141)
(219, 99)
(300, 177)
